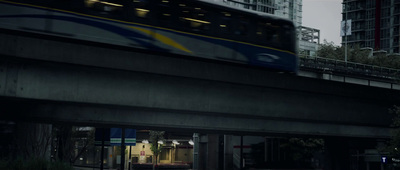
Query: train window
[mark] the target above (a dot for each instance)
(242, 27)
(269, 33)
(194, 18)
(260, 32)
(108, 8)
(141, 8)
(105, 6)
(272, 33)
(225, 22)
(164, 12)
(288, 35)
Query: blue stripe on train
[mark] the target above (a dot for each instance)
(129, 34)
(247, 50)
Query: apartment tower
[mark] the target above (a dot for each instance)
(374, 24)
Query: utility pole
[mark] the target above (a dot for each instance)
(345, 33)
(122, 167)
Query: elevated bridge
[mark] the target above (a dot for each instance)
(49, 79)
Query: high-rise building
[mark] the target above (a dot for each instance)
(308, 41)
(267, 6)
(291, 9)
(374, 24)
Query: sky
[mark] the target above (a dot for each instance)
(324, 15)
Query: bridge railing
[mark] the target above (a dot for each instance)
(349, 68)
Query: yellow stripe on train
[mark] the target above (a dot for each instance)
(162, 38)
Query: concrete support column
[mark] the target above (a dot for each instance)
(337, 154)
(110, 158)
(228, 152)
(196, 151)
(203, 152)
(212, 154)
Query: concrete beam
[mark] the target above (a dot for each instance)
(186, 102)
(181, 92)
(145, 118)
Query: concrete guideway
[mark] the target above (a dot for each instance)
(89, 84)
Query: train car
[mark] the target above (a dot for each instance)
(195, 28)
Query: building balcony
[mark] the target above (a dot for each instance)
(357, 29)
(357, 19)
(346, 1)
(356, 41)
(356, 9)
(269, 5)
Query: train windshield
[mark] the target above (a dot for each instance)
(276, 34)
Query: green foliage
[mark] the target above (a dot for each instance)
(357, 55)
(295, 153)
(395, 112)
(17, 164)
(330, 50)
(394, 145)
(60, 166)
(37, 164)
(304, 148)
(156, 136)
(155, 148)
(33, 164)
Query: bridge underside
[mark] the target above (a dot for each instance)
(175, 120)
(58, 81)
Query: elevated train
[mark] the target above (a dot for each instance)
(196, 28)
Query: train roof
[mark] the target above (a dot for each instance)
(220, 4)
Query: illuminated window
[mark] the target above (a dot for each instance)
(164, 13)
(103, 5)
(194, 18)
(141, 12)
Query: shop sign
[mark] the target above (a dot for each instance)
(116, 135)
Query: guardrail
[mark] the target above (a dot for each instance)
(350, 68)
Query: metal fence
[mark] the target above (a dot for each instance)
(349, 68)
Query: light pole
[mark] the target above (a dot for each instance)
(345, 33)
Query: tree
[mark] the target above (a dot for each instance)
(303, 149)
(393, 147)
(30, 148)
(63, 142)
(83, 136)
(32, 141)
(330, 50)
(294, 153)
(156, 136)
(66, 139)
(357, 55)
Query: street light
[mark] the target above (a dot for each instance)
(345, 33)
(175, 142)
(345, 28)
